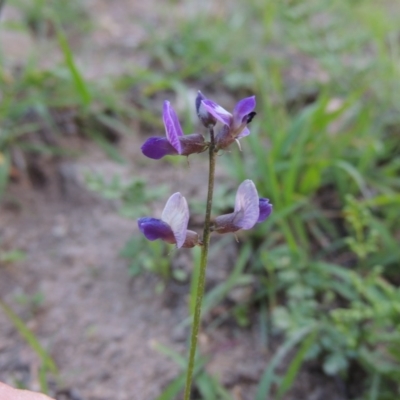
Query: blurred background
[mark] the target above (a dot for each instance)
(306, 306)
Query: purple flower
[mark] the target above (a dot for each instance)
(235, 124)
(175, 142)
(249, 210)
(172, 227)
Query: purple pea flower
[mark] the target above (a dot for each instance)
(235, 124)
(172, 227)
(175, 142)
(249, 210)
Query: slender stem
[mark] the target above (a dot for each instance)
(203, 267)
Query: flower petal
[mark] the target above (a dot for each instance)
(205, 117)
(265, 209)
(242, 109)
(173, 128)
(217, 111)
(176, 215)
(157, 147)
(154, 229)
(246, 205)
(245, 132)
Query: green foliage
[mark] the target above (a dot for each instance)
(284, 383)
(31, 302)
(150, 257)
(11, 256)
(133, 196)
(208, 387)
(42, 94)
(363, 241)
(356, 314)
(39, 15)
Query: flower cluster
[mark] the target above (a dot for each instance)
(249, 208)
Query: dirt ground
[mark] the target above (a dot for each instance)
(100, 326)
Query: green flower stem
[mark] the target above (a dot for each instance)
(203, 267)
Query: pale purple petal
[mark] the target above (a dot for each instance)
(154, 229)
(245, 132)
(176, 215)
(217, 111)
(173, 128)
(157, 147)
(246, 205)
(265, 209)
(242, 109)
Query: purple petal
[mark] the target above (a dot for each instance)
(246, 205)
(154, 229)
(265, 209)
(245, 132)
(242, 110)
(205, 117)
(199, 99)
(173, 128)
(176, 215)
(157, 147)
(217, 111)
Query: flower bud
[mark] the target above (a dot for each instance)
(205, 117)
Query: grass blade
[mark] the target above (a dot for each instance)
(268, 377)
(29, 337)
(77, 77)
(295, 365)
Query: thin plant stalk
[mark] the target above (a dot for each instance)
(203, 267)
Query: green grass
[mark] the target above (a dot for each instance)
(324, 148)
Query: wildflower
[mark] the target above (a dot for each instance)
(249, 210)
(175, 142)
(235, 124)
(172, 227)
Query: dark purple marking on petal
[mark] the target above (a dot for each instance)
(249, 117)
(242, 110)
(217, 111)
(154, 229)
(157, 147)
(265, 209)
(173, 128)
